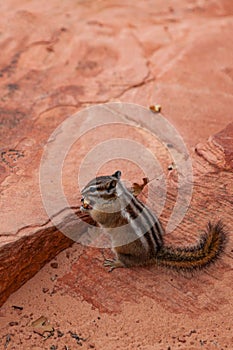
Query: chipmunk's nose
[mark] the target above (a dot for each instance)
(82, 199)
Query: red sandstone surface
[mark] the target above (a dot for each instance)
(58, 58)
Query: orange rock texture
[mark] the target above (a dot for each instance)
(58, 57)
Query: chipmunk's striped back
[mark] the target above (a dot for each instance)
(145, 225)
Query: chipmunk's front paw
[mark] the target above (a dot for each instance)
(113, 264)
(136, 189)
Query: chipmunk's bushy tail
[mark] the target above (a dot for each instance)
(206, 251)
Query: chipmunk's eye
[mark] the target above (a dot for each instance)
(92, 189)
(111, 185)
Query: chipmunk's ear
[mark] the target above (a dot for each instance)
(117, 174)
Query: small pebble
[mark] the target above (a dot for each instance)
(53, 278)
(155, 108)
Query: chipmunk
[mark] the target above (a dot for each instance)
(136, 233)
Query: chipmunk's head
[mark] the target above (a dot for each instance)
(100, 193)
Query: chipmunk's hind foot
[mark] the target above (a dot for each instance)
(113, 264)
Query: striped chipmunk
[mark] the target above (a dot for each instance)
(136, 233)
